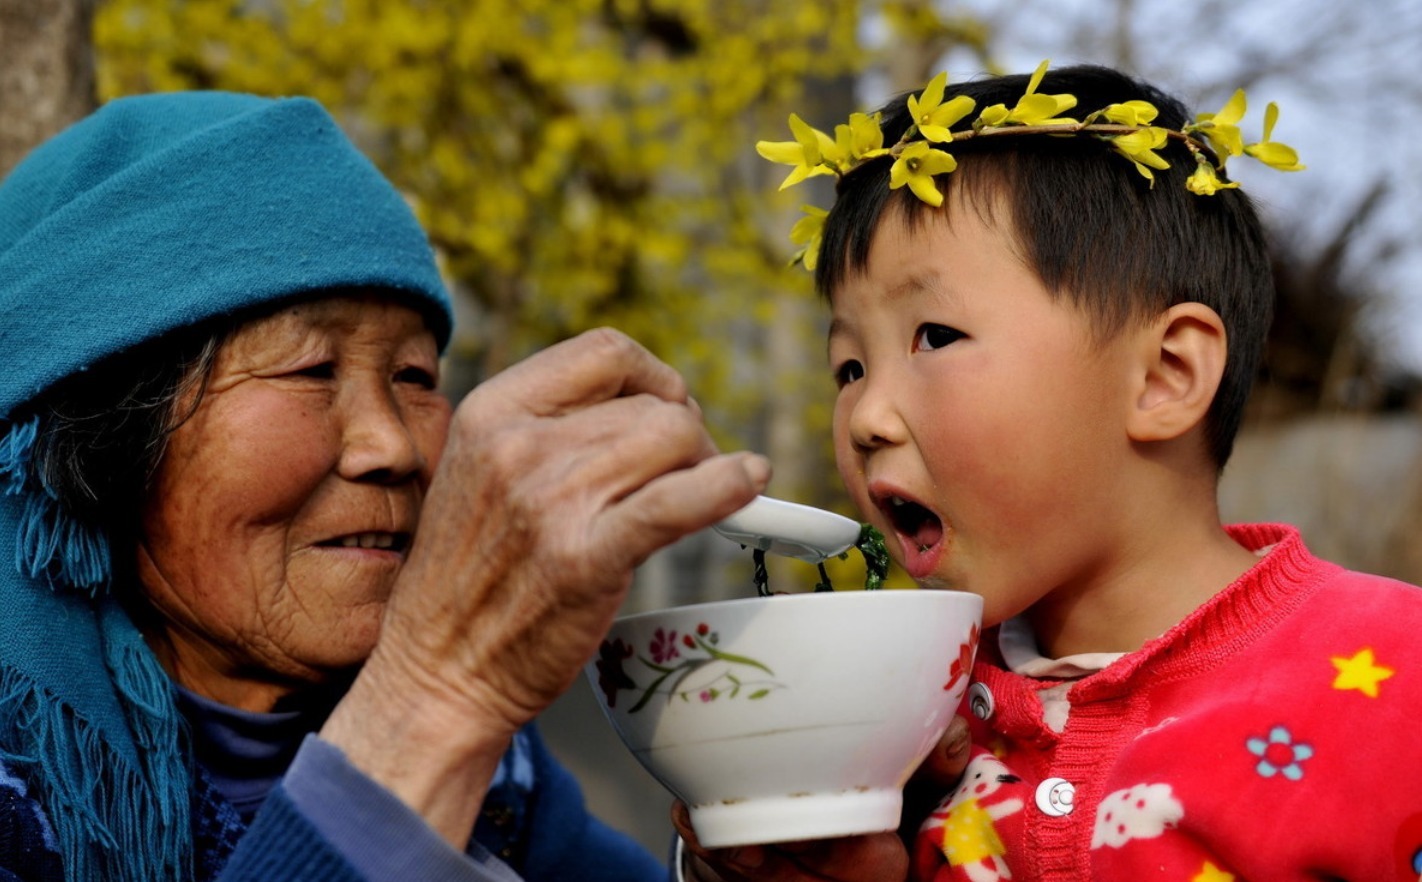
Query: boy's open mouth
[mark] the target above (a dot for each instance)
(919, 528)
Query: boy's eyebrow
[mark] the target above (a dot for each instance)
(925, 283)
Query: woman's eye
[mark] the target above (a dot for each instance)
(932, 337)
(418, 376)
(326, 370)
(847, 373)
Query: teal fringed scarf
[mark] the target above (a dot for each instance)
(85, 711)
(153, 214)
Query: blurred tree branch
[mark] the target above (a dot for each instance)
(46, 71)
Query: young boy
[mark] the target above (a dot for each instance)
(1040, 380)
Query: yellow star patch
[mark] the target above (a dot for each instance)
(1360, 672)
(1211, 873)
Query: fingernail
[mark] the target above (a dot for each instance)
(958, 736)
(747, 858)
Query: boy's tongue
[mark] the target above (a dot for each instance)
(928, 534)
(921, 535)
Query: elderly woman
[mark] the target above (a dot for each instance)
(272, 610)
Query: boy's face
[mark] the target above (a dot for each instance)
(978, 424)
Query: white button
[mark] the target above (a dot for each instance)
(980, 701)
(1055, 797)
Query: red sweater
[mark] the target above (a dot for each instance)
(1275, 733)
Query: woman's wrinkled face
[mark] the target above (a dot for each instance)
(284, 507)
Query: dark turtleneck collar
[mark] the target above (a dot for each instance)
(245, 753)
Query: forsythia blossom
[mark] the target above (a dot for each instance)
(1131, 113)
(1128, 127)
(1222, 129)
(932, 116)
(1204, 181)
(806, 233)
(916, 167)
(861, 139)
(1032, 109)
(805, 152)
(1270, 152)
(1140, 146)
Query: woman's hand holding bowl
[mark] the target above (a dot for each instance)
(559, 477)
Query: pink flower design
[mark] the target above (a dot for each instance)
(663, 646)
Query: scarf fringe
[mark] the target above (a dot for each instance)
(93, 798)
(147, 695)
(117, 814)
(53, 546)
(16, 446)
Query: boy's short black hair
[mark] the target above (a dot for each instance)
(1091, 226)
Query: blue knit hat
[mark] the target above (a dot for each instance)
(155, 213)
(159, 211)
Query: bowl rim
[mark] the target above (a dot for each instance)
(942, 595)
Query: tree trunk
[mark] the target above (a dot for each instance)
(46, 71)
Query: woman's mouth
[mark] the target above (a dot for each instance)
(379, 540)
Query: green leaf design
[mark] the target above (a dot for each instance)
(732, 657)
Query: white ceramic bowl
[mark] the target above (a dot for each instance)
(789, 717)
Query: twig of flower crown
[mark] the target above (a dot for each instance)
(870, 544)
(1125, 126)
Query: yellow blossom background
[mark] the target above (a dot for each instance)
(577, 163)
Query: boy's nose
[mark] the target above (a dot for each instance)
(875, 420)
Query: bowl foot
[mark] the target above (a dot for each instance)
(790, 818)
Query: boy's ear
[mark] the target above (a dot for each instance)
(1182, 359)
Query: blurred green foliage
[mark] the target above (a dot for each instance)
(577, 162)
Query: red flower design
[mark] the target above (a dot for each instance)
(962, 666)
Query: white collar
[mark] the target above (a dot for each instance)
(1018, 646)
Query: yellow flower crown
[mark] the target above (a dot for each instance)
(1126, 126)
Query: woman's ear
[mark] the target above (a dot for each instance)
(1182, 359)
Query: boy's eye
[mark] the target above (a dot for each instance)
(847, 373)
(932, 337)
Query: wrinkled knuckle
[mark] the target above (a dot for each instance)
(677, 390)
(614, 344)
(673, 424)
(470, 417)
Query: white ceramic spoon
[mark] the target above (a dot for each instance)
(789, 528)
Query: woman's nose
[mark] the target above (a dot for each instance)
(377, 441)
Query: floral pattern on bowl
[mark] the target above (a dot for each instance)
(669, 662)
(962, 667)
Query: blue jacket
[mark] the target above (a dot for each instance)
(533, 824)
